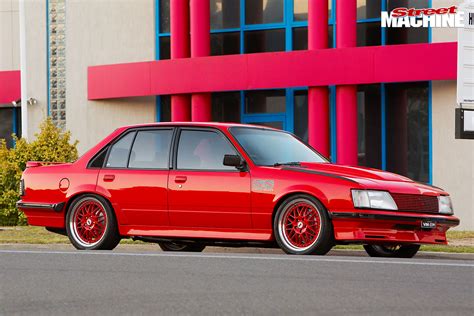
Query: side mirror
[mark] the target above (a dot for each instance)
(234, 161)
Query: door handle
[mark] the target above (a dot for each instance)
(109, 177)
(180, 179)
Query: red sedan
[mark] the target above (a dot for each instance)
(188, 185)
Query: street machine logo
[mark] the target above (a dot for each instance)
(428, 17)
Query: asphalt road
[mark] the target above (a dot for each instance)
(44, 281)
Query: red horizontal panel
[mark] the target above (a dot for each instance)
(361, 65)
(10, 86)
(118, 81)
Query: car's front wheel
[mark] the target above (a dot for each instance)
(177, 246)
(302, 226)
(392, 251)
(91, 224)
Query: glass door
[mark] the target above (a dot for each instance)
(266, 108)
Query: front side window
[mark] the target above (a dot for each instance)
(268, 147)
(151, 150)
(118, 156)
(203, 150)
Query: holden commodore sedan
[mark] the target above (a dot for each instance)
(189, 185)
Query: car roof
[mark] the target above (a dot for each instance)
(197, 124)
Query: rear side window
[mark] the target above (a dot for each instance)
(151, 150)
(118, 157)
(203, 150)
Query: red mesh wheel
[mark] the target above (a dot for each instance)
(89, 221)
(300, 225)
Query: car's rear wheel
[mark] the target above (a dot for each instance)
(91, 224)
(177, 246)
(392, 251)
(302, 226)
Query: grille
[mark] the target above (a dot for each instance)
(416, 202)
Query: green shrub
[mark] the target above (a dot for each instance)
(50, 144)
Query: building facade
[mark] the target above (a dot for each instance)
(298, 65)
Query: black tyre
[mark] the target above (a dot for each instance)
(392, 251)
(91, 224)
(177, 246)
(302, 226)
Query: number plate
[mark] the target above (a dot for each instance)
(428, 224)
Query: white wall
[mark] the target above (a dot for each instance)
(9, 35)
(105, 32)
(97, 32)
(453, 159)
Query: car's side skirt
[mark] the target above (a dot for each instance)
(197, 232)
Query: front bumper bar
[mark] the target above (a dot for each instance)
(378, 227)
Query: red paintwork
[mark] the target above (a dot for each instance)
(337, 66)
(223, 205)
(10, 86)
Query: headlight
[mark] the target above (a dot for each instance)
(445, 206)
(381, 200)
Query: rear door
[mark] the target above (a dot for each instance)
(202, 191)
(136, 176)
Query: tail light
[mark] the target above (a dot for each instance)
(22, 187)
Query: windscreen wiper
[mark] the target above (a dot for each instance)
(290, 163)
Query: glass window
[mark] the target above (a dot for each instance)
(369, 125)
(6, 125)
(225, 43)
(98, 161)
(368, 9)
(265, 101)
(203, 150)
(300, 10)
(165, 48)
(268, 147)
(225, 14)
(165, 108)
(164, 16)
(264, 41)
(263, 11)
(226, 107)
(118, 156)
(408, 130)
(369, 34)
(301, 114)
(407, 35)
(151, 149)
(300, 38)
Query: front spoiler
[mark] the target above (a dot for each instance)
(378, 227)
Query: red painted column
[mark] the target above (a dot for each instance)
(318, 97)
(179, 19)
(346, 96)
(200, 47)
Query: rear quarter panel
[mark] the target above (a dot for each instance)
(42, 185)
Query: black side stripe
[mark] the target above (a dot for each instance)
(319, 173)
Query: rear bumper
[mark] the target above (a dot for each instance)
(369, 226)
(43, 214)
(57, 207)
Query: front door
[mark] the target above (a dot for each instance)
(202, 191)
(136, 176)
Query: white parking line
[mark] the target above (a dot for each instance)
(240, 257)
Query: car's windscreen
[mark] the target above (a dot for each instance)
(269, 147)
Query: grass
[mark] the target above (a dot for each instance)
(39, 235)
